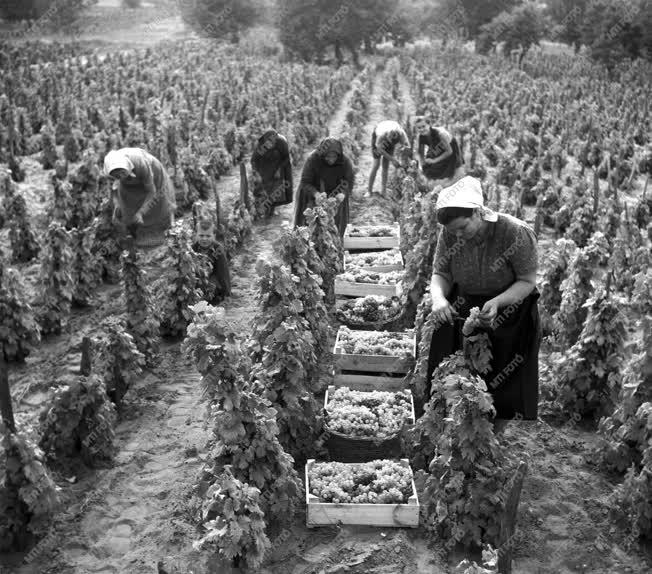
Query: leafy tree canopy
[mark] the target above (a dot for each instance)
(224, 19)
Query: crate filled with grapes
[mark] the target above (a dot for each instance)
(372, 312)
(377, 493)
(372, 236)
(374, 261)
(358, 282)
(375, 351)
(365, 425)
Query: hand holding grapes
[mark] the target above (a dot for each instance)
(489, 312)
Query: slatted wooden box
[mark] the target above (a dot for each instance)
(345, 448)
(395, 265)
(353, 289)
(369, 382)
(387, 242)
(386, 515)
(373, 363)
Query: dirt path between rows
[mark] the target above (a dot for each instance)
(125, 519)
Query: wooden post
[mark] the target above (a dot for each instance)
(244, 186)
(5, 398)
(538, 220)
(596, 191)
(508, 524)
(86, 357)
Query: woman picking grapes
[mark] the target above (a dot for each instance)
(384, 139)
(326, 170)
(272, 170)
(488, 260)
(143, 195)
(443, 160)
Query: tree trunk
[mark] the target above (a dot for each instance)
(354, 55)
(368, 46)
(338, 53)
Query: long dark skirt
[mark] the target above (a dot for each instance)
(514, 377)
(447, 168)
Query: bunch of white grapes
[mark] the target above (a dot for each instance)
(376, 482)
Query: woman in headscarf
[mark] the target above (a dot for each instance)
(144, 196)
(444, 159)
(272, 170)
(327, 169)
(488, 260)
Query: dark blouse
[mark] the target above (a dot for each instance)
(488, 264)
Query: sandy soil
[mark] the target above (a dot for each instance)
(126, 518)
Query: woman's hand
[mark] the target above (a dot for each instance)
(117, 215)
(489, 312)
(443, 311)
(138, 218)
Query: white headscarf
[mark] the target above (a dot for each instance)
(117, 159)
(466, 192)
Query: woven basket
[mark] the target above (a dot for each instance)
(346, 448)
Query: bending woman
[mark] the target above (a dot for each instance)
(271, 162)
(443, 160)
(144, 196)
(488, 260)
(326, 169)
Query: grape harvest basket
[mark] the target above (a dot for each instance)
(374, 363)
(388, 515)
(346, 448)
(365, 242)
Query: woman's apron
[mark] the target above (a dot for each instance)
(514, 377)
(157, 220)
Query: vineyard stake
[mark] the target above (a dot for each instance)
(508, 524)
(244, 186)
(86, 357)
(5, 398)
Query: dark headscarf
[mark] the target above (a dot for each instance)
(331, 145)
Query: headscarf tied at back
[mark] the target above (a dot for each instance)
(117, 159)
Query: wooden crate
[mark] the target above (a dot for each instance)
(369, 382)
(352, 289)
(371, 242)
(387, 515)
(398, 266)
(373, 363)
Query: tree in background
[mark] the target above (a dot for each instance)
(522, 26)
(57, 12)
(566, 17)
(309, 27)
(612, 31)
(471, 13)
(223, 19)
